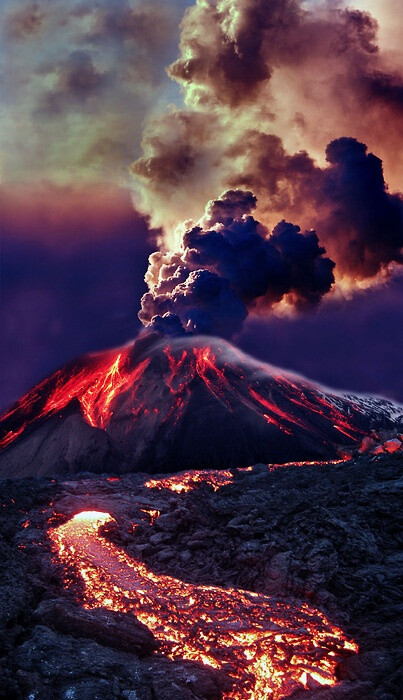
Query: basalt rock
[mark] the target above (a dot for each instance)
(112, 629)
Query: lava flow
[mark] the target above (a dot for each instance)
(268, 647)
(185, 403)
(216, 478)
(187, 481)
(95, 385)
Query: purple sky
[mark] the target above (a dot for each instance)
(356, 345)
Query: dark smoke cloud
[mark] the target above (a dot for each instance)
(347, 202)
(358, 221)
(228, 55)
(228, 263)
(364, 225)
(203, 304)
(387, 88)
(230, 51)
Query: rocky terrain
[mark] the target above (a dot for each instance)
(327, 534)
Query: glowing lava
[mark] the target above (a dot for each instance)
(184, 403)
(96, 385)
(188, 481)
(269, 647)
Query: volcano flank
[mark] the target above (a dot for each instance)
(161, 405)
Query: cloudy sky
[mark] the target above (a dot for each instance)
(121, 120)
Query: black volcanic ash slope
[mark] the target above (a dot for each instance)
(160, 405)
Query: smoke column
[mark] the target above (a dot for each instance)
(280, 102)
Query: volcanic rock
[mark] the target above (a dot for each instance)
(392, 445)
(326, 534)
(85, 670)
(112, 629)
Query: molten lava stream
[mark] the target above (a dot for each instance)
(268, 647)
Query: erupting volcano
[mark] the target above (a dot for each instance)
(268, 647)
(194, 403)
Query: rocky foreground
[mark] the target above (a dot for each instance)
(327, 534)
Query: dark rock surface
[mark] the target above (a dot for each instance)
(112, 629)
(328, 534)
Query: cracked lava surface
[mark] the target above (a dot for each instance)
(267, 646)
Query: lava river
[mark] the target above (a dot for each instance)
(269, 647)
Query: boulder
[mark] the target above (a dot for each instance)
(112, 629)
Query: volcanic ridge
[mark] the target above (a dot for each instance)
(184, 403)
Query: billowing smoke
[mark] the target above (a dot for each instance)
(358, 220)
(362, 223)
(228, 263)
(265, 82)
(281, 99)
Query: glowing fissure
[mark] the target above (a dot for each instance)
(300, 398)
(189, 480)
(269, 647)
(201, 362)
(204, 364)
(272, 408)
(105, 383)
(96, 387)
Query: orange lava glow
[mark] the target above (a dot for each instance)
(269, 647)
(152, 514)
(95, 386)
(188, 481)
(103, 384)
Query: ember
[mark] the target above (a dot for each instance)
(152, 514)
(269, 647)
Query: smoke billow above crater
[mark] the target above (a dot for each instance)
(228, 263)
(285, 106)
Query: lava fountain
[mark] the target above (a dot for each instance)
(268, 647)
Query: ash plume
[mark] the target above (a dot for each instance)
(360, 218)
(226, 264)
(280, 104)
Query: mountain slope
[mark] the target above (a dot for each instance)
(159, 405)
